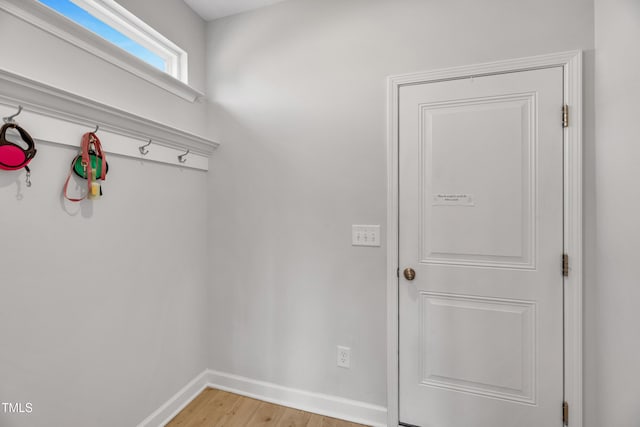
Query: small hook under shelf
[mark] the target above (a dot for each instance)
(10, 119)
(182, 158)
(143, 148)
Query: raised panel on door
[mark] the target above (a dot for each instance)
(463, 184)
(481, 225)
(501, 366)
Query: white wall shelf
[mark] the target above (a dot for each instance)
(56, 116)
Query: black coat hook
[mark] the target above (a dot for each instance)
(143, 148)
(182, 158)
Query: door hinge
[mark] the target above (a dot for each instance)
(565, 116)
(565, 265)
(398, 272)
(565, 413)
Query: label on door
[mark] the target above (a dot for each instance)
(453, 200)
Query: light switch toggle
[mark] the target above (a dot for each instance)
(365, 235)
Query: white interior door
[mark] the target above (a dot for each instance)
(481, 224)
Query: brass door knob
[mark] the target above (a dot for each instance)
(409, 273)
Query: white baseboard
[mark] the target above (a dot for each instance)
(317, 403)
(177, 402)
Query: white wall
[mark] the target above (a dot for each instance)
(102, 308)
(299, 97)
(102, 314)
(615, 389)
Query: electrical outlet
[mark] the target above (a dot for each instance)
(365, 235)
(344, 357)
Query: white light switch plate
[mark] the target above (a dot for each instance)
(365, 235)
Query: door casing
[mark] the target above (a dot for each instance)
(571, 62)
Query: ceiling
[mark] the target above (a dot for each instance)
(213, 9)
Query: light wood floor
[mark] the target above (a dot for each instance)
(215, 408)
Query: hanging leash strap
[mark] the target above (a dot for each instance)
(91, 147)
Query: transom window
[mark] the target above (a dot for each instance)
(117, 25)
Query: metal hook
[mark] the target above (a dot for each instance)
(183, 157)
(143, 149)
(9, 119)
(97, 127)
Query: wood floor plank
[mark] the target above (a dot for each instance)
(200, 403)
(216, 408)
(322, 421)
(294, 418)
(240, 414)
(267, 415)
(315, 421)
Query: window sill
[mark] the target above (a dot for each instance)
(40, 16)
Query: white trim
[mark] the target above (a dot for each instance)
(573, 240)
(393, 253)
(41, 16)
(317, 403)
(53, 115)
(177, 402)
(572, 65)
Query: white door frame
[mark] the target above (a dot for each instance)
(571, 62)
